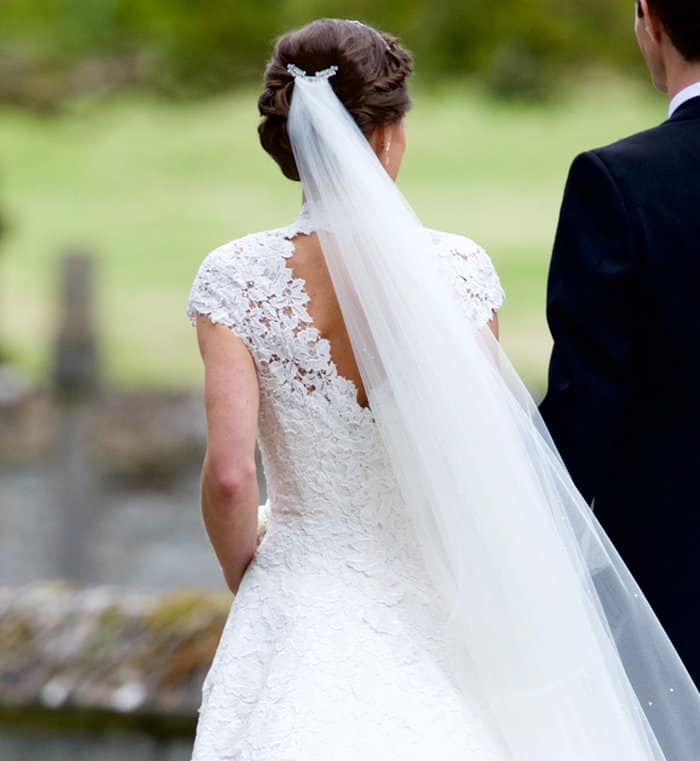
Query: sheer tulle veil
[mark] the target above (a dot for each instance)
(559, 643)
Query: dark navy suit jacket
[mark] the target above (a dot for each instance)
(623, 403)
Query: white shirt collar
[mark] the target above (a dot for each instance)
(692, 91)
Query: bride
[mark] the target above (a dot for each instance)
(431, 586)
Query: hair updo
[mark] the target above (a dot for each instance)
(371, 80)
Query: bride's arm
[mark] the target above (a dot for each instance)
(229, 486)
(493, 325)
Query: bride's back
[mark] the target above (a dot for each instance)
(273, 290)
(308, 264)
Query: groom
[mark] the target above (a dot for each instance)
(623, 307)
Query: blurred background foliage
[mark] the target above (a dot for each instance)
(183, 47)
(128, 127)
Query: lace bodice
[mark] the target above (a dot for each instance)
(247, 285)
(310, 421)
(338, 555)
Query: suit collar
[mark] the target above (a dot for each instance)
(688, 110)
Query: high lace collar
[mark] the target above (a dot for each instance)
(303, 224)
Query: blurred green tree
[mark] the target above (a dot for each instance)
(190, 48)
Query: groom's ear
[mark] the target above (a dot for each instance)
(650, 18)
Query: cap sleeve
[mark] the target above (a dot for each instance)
(221, 290)
(472, 274)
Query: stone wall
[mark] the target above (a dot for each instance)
(103, 672)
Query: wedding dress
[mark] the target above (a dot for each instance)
(336, 647)
(433, 585)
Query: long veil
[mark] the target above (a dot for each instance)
(559, 642)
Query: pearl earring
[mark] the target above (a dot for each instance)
(387, 153)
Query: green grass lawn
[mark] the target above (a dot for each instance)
(151, 186)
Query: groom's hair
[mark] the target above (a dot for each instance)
(681, 20)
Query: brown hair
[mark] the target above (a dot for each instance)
(681, 19)
(370, 82)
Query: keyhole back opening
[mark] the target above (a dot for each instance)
(308, 267)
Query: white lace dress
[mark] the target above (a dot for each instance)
(335, 647)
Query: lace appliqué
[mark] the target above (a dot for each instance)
(472, 274)
(246, 285)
